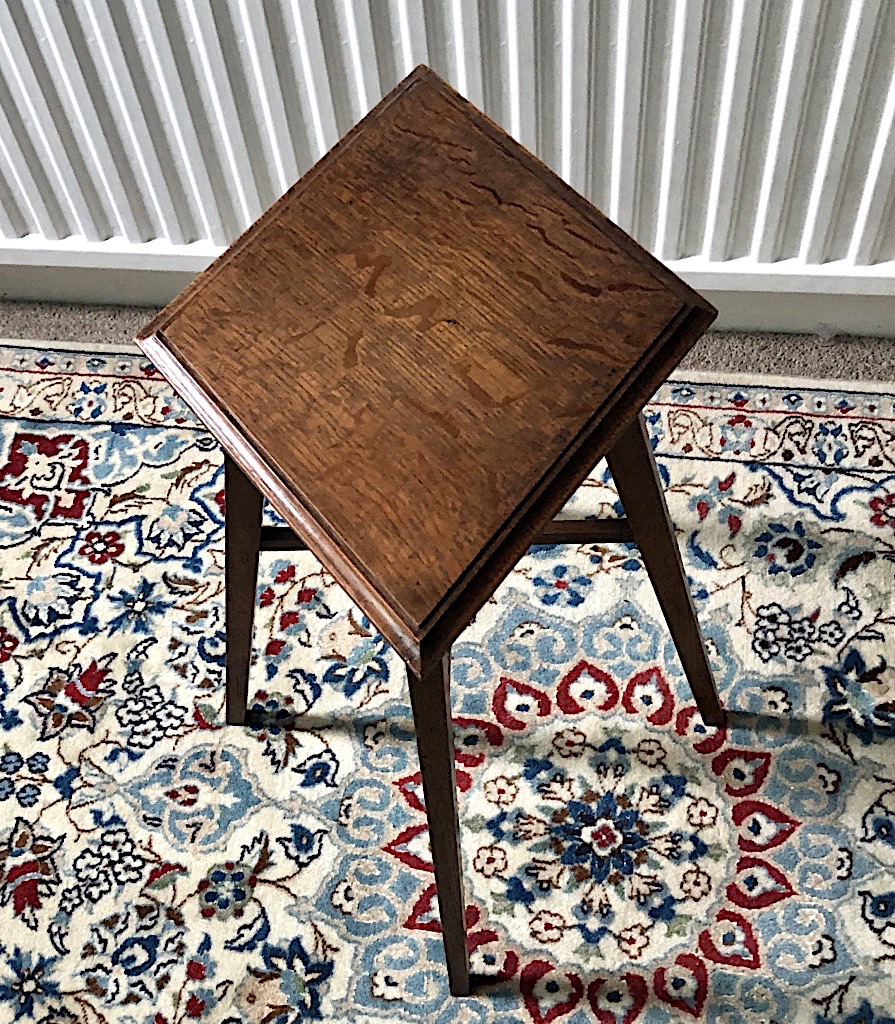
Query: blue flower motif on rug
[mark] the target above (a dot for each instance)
(786, 549)
(27, 985)
(196, 800)
(856, 702)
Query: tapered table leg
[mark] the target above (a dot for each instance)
(633, 467)
(242, 541)
(431, 702)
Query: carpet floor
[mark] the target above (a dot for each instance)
(622, 862)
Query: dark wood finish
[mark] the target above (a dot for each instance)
(242, 536)
(633, 468)
(585, 531)
(417, 354)
(559, 531)
(428, 304)
(281, 538)
(430, 699)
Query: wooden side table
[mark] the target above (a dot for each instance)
(416, 355)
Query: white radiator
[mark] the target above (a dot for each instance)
(748, 143)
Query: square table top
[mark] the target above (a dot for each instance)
(420, 350)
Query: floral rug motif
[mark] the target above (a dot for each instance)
(623, 863)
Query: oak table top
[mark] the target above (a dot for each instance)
(420, 351)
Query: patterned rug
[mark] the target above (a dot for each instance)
(623, 863)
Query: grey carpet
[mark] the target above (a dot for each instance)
(799, 355)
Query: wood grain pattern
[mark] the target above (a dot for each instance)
(417, 354)
(420, 351)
